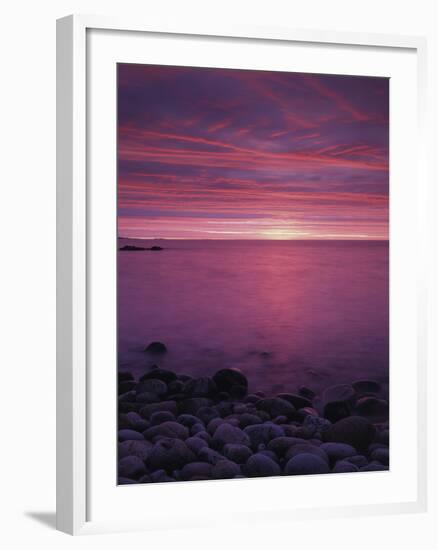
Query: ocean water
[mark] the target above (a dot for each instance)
(285, 312)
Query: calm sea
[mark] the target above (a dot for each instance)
(285, 312)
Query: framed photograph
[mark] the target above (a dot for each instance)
(240, 275)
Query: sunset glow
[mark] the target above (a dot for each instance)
(234, 154)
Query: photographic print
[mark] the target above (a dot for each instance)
(253, 273)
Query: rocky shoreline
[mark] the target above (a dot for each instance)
(172, 427)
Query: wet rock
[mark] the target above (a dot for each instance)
(306, 448)
(280, 445)
(188, 420)
(237, 453)
(262, 433)
(354, 430)
(195, 443)
(316, 425)
(276, 407)
(193, 404)
(298, 401)
(213, 425)
(131, 467)
(196, 469)
(146, 397)
(225, 433)
(248, 419)
(206, 414)
(260, 465)
(305, 464)
(197, 428)
(161, 416)
(156, 348)
(225, 469)
(381, 455)
(126, 435)
(125, 386)
(372, 407)
(201, 387)
(338, 451)
(132, 447)
(306, 392)
(340, 392)
(166, 430)
(227, 379)
(210, 455)
(169, 454)
(166, 376)
(373, 467)
(337, 410)
(147, 410)
(343, 466)
(366, 386)
(152, 385)
(132, 420)
(160, 476)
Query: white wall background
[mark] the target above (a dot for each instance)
(27, 286)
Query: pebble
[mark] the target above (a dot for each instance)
(193, 404)
(306, 463)
(259, 465)
(306, 448)
(132, 447)
(188, 420)
(276, 407)
(237, 453)
(225, 469)
(148, 410)
(126, 434)
(280, 445)
(206, 414)
(343, 466)
(262, 433)
(131, 467)
(167, 429)
(338, 451)
(200, 387)
(161, 416)
(354, 430)
(195, 444)
(196, 469)
(225, 433)
(169, 454)
(381, 455)
(152, 385)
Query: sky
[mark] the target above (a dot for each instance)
(236, 154)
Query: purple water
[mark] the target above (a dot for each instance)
(285, 312)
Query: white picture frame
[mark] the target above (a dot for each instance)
(75, 284)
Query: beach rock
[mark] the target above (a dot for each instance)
(161, 416)
(306, 463)
(269, 454)
(156, 373)
(156, 348)
(338, 451)
(381, 455)
(126, 435)
(188, 420)
(127, 397)
(132, 420)
(237, 453)
(336, 410)
(225, 433)
(366, 386)
(125, 386)
(124, 376)
(372, 407)
(197, 428)
(210, 455)
(195, 443)
(152, 385)
(357, 460)
(306, 448)
(147, 410)
(132, 447)
(252, 398)
(260, 465)
(169, 454)
(196, 469)
(263, 415)
(227, 379)
(238, 392)
(298, 401)
(276, 407)
(340, 392)
(354, 430)
(280, 445)
(248, 419)
(316, 425)
(193, 404)
(175, 387)
(200, 387)
(206, 414)
(344, 466)
(146, 397)
(262, 433)
(125, 407)
(224, 408)
(382, 436)
(205, 436)
(281, 420)
(225, 469)
(306, 392)
(167, 429)
(131, 467)
(213, 425)
(160, 476)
